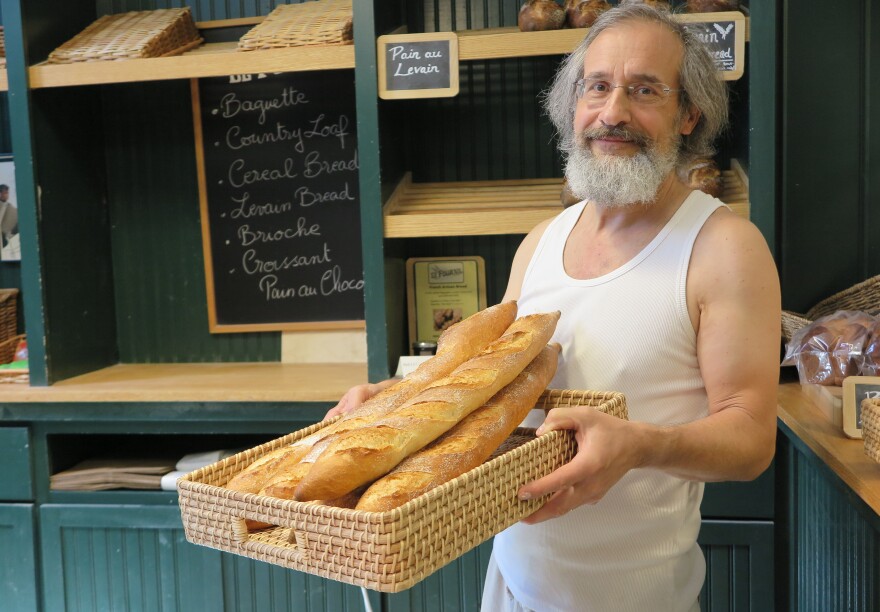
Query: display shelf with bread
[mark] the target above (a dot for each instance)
(480, 208)
(210, 59)
(510, 42)
(386, 551)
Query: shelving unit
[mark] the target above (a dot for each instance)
(509, 42)
(482, 208)
(209, 60)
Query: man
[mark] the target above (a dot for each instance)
(666, 296)
(8, 216)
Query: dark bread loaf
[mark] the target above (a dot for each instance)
(537, 15)
(712, 6)
(468, 444)
(456, 345)
(357, 457)
(703, 175)
(583, 13)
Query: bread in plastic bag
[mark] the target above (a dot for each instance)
(833, 347)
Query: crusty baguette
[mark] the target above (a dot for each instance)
(456, 345)
(468, 444)
(357, 457)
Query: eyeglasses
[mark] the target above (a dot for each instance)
(596, 92)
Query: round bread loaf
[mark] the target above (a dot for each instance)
(712, 6)
(537, 15)
(583, 13)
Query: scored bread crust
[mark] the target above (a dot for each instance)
(456, 345)
(468, 444)
(357, 457)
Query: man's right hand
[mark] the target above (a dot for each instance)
(356, 396)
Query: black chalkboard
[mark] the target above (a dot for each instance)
(278, 177)
(418, 65)
(721, 39)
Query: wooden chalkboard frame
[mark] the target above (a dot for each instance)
(739, 31)
(854, 390)
(439, 92)
(213, 324)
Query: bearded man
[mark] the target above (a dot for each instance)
(665, 296)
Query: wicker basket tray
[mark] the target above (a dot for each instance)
(7, 354)
(864, 296)
(8, 313)
(2, 47)
(137, 34)
(871, 428)
(385, 551)
(324, 22)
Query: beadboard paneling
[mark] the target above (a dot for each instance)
(156, 233)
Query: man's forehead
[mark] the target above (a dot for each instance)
(640, 48)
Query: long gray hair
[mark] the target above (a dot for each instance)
(699, 78)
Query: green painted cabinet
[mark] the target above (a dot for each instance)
(135, 557)
(16, 481)
(18, 568)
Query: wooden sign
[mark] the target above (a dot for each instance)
(856, 389)
(441, 291)
(278, 183)
(418, 65)
(725, 36)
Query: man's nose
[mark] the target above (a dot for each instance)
(616, 110)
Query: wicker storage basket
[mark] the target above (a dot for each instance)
(864, 296)
(2, 47)
(7, 354)
(385, 551)
(137, 34)
(871, 427)
(8, 313)
(324, 22)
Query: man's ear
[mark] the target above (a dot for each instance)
(689, 120)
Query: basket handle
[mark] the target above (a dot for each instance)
(298, 551)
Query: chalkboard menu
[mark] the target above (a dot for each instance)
(278, 181)
(725, 37)
(418, 65)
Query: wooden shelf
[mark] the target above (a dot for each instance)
(479, 208)
(199, 382)
(844, 456)
(498, 43)
(209, 60)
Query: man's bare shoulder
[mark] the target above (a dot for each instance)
(730, 249)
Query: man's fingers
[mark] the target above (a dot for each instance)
(557, 418)
(562, 478)
(558, 505)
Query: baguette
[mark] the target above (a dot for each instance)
(468, 444)
(357, 457)
(456, 345)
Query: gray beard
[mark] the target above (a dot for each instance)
(618, 180)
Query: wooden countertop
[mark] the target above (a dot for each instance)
(199, 382)
(846, 457)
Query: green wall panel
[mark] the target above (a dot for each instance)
(254, 586)
(162, 313)
(18, 575)
(831, 166)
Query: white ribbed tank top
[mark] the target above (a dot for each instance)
(626, 331)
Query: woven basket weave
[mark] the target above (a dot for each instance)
(864, 296)
(871, 427)
(137, 34)
(8, 314)
(324, 22)
(2, 47)
(385, 551)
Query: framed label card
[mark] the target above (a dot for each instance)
(442, 291)
(856, 389)
(418, 65)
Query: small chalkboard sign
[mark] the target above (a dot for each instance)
(277, 159)
(725, 36)
(418, 65)
(857, 389)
